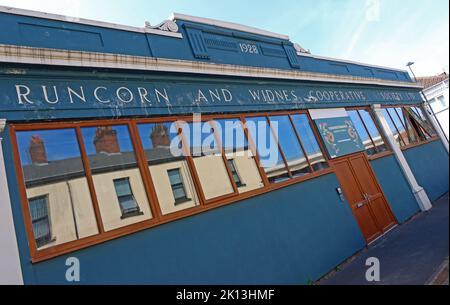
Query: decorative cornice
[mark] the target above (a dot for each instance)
(76, 20)
(42, 56)
(166, 25)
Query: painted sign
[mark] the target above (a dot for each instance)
(340, 136)
(114, 96)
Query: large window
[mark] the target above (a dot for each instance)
(286, 146)
(309, 142)
(409, 125)
(368, 131)
(202, 141)
(168, 167)
(88, 182)
(241, 160)
(56, 185)
(113, 164)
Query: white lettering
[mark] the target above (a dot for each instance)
(121, 96)
(44, 89)
(164, 95)
(21, 96)
(143, 95)
(97, 98)
(73, 92)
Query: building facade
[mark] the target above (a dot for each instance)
(436, 92)
(101, 160)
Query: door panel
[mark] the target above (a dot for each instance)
(364, 195)
(382, 213)
(348, 182)
(366, 222)
(364, 177)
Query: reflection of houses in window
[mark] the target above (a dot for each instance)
(177, 185)
(234, 173)
(105, 140)
(56, 186)
(128, 204)
(40, 220)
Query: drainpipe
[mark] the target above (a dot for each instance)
(418, 191)
(432, 119)
(11, 271)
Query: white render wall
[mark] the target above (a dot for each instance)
(10, 270)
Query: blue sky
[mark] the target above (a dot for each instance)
(384, 32)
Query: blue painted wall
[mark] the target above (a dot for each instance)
(288, 236)
(429, 164)
(219, 45)
(395, 188)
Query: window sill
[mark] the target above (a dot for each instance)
(380, 155)
(134, 214)
(182, 200)
(435, 138)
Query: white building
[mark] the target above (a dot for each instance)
(436, 91)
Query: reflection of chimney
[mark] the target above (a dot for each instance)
(105, 140)
(160, 136)
(38, 154)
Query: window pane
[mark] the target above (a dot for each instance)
(112, 157)
(208, 161)
(53, 169)
(373, 130)
(237, 150)
(156, 139)
(353, 114)
(270, 156)
(128, 204)
(178, 192)
(409, 134)
(40, 220)
(290, 146)
(426, 130)
(177, 184)
(174, 176)
(122, 187)
(309, 141)
(392, 127)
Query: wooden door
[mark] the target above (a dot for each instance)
(370, 208)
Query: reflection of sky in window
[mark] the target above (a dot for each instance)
(145, 131)
(231, 134)
(389, 121)
(287, 138)
(396, 120)
(123, 137)
(358, 125)
(306, 134)
(59, 144)
(260, 124)
(370, 124)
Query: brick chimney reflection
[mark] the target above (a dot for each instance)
(160, 136)
(105, 140)
(38, 155)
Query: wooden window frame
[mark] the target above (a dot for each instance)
(379, 154)
(157, 217)
(420, 141)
